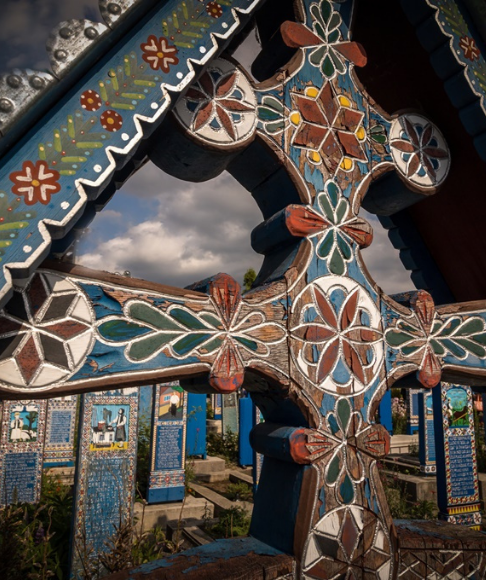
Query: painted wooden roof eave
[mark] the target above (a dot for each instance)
(27, 95)
(83, 181)
(457, 55)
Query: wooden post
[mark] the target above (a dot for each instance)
(427, 439)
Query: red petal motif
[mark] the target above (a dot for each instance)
(226, 293)
(352, 51)
(302, 221)
(430, 370)
(228, 372)
(226, 84)
(328, 360)
(203, 115)
(297, 35)
(234, 105)
(226, 121)
(360, 231)
(350, 310)
(423, 304)
(325, 309)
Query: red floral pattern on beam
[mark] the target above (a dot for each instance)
(37, 183)
(159, 54)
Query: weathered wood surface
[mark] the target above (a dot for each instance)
(242, 559)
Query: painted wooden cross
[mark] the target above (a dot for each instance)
(316, 342)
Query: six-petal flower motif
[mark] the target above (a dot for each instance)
(419, 149)
(217, 101)
(37, 183)
(328, 128)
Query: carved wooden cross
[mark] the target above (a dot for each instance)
(316, 342)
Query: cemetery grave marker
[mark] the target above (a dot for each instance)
(105, 471)
(457, 474)
(196, 425)
(22, 432)
(427, 440)
(216, 403)
(167, 476)
(61, 422)
(230, 413)
(246, 424)
(412, 410)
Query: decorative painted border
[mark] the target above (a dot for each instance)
(456, 58)
(30, 238)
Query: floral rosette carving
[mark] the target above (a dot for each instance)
(337, 336)
(332, 222)
(220, 107)
(224, 333)
(330, 51)
(425, 339)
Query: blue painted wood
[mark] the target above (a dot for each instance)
(427, 439)
(457, 477)
(386, 412)
(168, 448)
(247, 419)
(413, 411)
(196, 425)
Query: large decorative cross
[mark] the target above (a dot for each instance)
(317, 333)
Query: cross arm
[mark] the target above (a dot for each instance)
(447, 342)
(70, 329)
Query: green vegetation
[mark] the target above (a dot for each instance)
(225, 447)
(233, 522)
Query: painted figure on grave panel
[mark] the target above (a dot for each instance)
(457, 408)
(23, 423)
(109, 427)
(171, 403)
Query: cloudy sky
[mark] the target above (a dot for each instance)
(158, 227)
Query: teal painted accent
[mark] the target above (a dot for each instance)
(145, 348)
(334, 469)
(212, 320)
(187, 319)
(346, 490)
(344, 413)
(152, 316)
(189, 342)
(251, 344)
(121, 331)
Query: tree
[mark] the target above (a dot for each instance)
(248, 279)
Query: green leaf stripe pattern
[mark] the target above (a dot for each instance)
(148, 330)
(457, 337)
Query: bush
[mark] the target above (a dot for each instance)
(399, 416)
(225, 447)
(233, 522)
(239, 491)
(143, 454)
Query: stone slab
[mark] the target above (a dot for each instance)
(220, 502)
(207, 466)
(418, 488)
(214, 426)
(238, 476)
(402, 443)
(160, 514)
